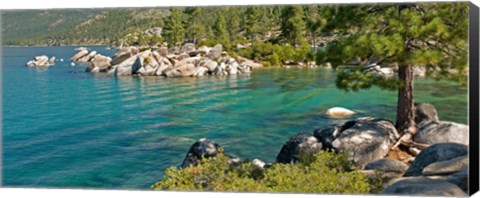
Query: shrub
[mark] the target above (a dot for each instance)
(324, 172)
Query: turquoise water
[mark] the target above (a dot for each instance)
(66, 128)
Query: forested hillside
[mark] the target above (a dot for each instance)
(75, 26)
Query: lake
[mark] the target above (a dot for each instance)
(63, 127)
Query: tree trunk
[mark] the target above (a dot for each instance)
(314, 43)
(405, 106)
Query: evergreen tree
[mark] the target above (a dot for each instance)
(194, 27)
(252, 22)
(293, 25)
(174, 31)
(221, 31)
(432, 35)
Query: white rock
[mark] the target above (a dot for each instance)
(339, 112)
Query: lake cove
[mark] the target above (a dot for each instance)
(64, 127)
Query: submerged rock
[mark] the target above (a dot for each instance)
(339, 112)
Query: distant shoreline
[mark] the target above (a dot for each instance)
(73, 45)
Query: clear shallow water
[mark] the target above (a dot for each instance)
(63, 127)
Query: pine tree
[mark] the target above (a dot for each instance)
(293, 25)
(221, 31)
(252, 22)
(194, 27)
(174, 30)
(430, 35)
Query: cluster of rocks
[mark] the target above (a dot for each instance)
(440, 169)
(174, 62)
(41, 61)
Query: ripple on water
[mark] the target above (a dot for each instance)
(67, 128)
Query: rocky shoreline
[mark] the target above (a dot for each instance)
(185, 61)
(439, 169)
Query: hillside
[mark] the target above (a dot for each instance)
(75, 26)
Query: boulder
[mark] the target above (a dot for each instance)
(365, 139)
(215, 52)
(51, 60)
(193, 53)
(327, 135)
(38, 61)
(447, 167)
(30, 63)
(244, 68)
(387, 165)
(187, 48)
(174, 51)
(232, 68)
(99, 63)
(298, 145)
(79, 55)
(424, 187)
(124, 54)
(203, 49)
(209, 64)
(259, 164)
(125, 67)
(163, 51)
(435, 153)
(181, 71)
(339, 112)
(161, 68)
(249, 63)
(200, 71)
(424, 113)
(182, 56)
(203, 148)
(187, 60)
(220, 69)
(88, 57)
(145, 65)
(442, 132)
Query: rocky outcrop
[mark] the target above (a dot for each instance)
(175, 62)
(435, 153)
(297, 145)
(442, 132)
(40, 61)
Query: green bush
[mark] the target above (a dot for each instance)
(324, 172)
